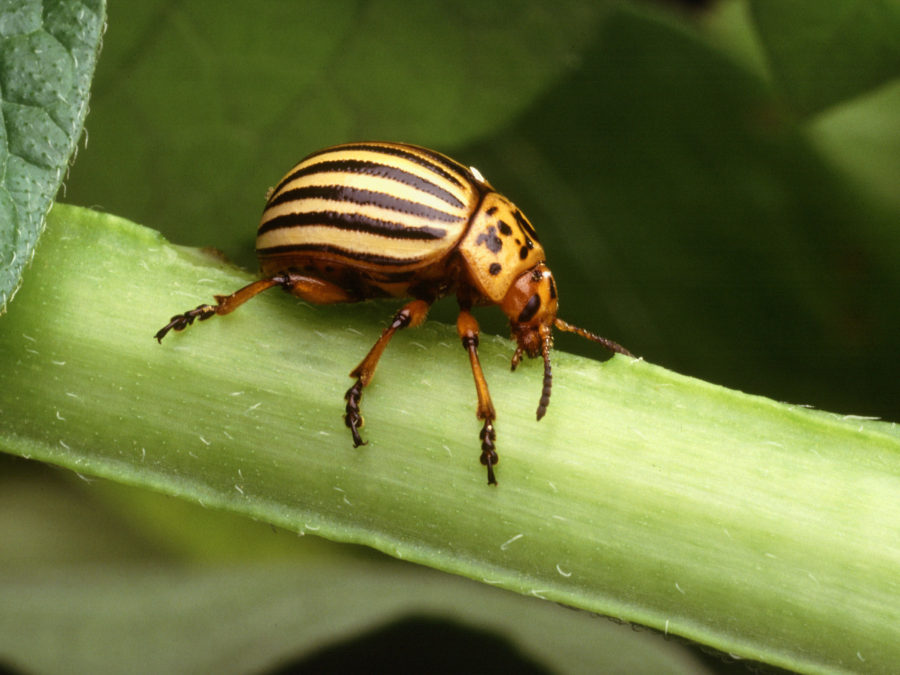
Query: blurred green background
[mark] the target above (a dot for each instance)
(715, 184)
(717, 188)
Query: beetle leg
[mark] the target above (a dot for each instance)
(411, 314)
(314, 290)
(308, 288)
(467, 327)
(224, 305)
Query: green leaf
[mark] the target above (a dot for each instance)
(862, 138)
(761, 529)
(823, 53)
(106, 591)
(47, 55)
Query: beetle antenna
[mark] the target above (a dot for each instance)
(548, 379)
(593, 337)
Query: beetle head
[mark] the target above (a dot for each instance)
(530, 303)
(531, 306)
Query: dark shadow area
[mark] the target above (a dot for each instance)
(418, 644)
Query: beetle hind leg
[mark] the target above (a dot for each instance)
(305, 287)
(224, 305)
(411, 314)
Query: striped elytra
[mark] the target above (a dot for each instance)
(375, 219)
(396, 213)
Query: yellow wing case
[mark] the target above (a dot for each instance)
(379, 206)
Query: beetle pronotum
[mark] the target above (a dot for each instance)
(367, 220)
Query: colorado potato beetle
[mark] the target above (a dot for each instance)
(367, 220)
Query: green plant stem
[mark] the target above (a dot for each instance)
(762, 529)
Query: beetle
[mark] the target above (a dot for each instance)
(366, 220)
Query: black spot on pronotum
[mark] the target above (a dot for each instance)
(494, 269)
(490, 239)
(505, 229)
(525, 225)
(491, 211)
(531, 308)
(523, 252)
(552, 288)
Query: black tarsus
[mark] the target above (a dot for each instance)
(488, 451)
(352, 418)
(182, 321)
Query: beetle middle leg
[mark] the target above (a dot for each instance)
(411, 314)
(467, 327)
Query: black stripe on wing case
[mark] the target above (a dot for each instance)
(341, 193)
(368, 168)
(352, 221)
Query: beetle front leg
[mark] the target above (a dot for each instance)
(411, 314)
(467, 327)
